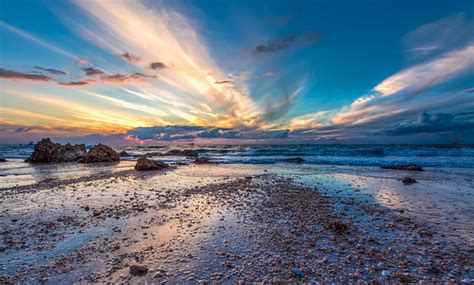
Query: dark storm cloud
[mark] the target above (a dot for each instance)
(91, 71)
(50, 70)
(157, 65)
(284, 43)
(14, 75)
(436, 123)
(129, 57)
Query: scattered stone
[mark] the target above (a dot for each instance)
(386, 273)
(336, 227)
(411, 167)
(138, 270)
(46, 151)
(409, 180)
(144, 163)
(298, 272)
(86, 208)
(101, 153)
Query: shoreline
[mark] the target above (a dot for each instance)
(219, 223)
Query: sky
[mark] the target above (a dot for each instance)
(213, 71)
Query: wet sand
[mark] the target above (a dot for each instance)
(240, 223)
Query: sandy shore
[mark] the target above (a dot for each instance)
(240, 223)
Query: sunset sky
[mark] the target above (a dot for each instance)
(237, 71)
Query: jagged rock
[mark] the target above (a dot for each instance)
(138, 270)
(123, 153)
(101, 153)
(3, 160)
(144, 163)
(408, 180)
(203, 160)
(294, 160)
(46, 152)
(184, 152)
(412, 167)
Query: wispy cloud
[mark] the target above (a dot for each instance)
(14, 75)
(284, 43)
(35, 40)
(92, 71)
(51, 70)
(167, 35)
(129, 57)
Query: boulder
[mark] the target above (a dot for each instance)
(138, 270)
(101, 153)
(123, 153)
(184, 152)
(3, 160)
(411, 167)
(46, 151)
(144, 163)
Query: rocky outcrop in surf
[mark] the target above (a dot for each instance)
(101, 153)
(46, 151)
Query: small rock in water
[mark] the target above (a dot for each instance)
(138, 270)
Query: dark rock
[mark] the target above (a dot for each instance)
(184, 152)
(408, 180)
(3, 160)
(143, 163)
(406, 278)
(123, 153)
(203, 160)
(138, 270)
(101, 153)
(294, 160)
(336, 227)
(411, 167)
(47, 152)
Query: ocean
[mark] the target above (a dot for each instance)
(453, 156)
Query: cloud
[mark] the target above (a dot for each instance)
(35, 40)
(74, 83)
(275, 108)
(222, 81)
(436, 123)
(409, 83)
(157, 65)
(129, 57)
(14, 75)
(284, 43)
(50, 70)
(91, 71)
(22, 130)
(177, 133)
(439, 36)
(118, 78)
(167, 35)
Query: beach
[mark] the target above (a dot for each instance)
(238, 223)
